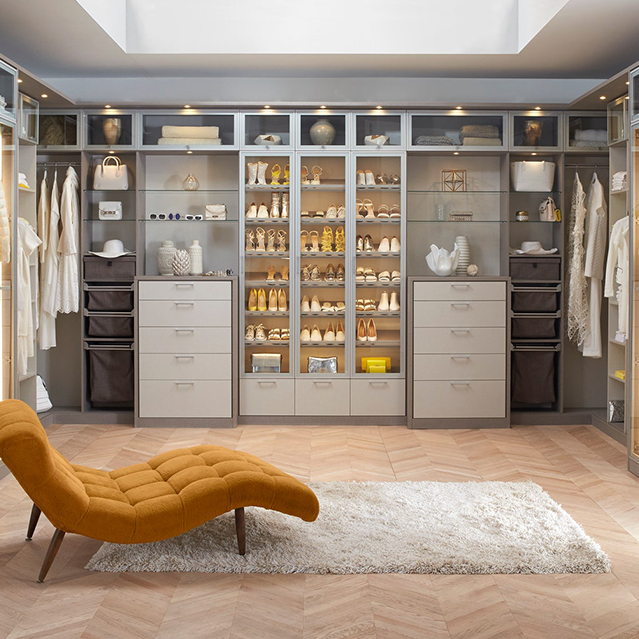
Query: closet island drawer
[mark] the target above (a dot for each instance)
(185, 398)
(459, 367)
(450, 399)
(322, 397)
(186, 313)
(184, 367)
(476, 313)
(267, 397)
(459, 340)
(156, 339)
(184, 290)
(378, 397)
(427, 291)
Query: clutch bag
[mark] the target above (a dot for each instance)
(215, 212)
(266, 362)
(322, 364)
(110, 210)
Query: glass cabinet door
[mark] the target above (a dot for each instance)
(379, 130)
(323, 129)
(59, 129)
(8, 91)
(189, 129)
(28, 118)
(617, 114)
(109, 128)
(586, 131)
(633, 442)
(457, 130)
(535, 130)
(268, 129)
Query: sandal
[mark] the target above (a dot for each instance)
(340, 276)
(369, 305)
(394, 211)
(304, 173)
(314, 237)
(250, 240)
(285, 273)
(303, 240)
(381, 179)
(370, 211)
(327, 240)
(369, 275)
(331, 212)
(383, 212)
(340, 240)
(270, 274)
(360, 205)
(318, 214)
(274, 334)
(275, 205)
(317, 171)
(286, 334)
(306, 274)
(330, 273)
(270, 246)
(384, 276)
(305, 214)
(327, 307)
(340, 307)
(316, 274)
(281, 239)
(394, 179)
(359, 305)
(396, 276)
(359, 274)
(341, 211)
(287, 178)
(260, 234)
(276, 171)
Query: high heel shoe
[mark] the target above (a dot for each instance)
(384, 245)
(341, 211)
(270, 273)
(370, 212)
(359, 205)
(329, 333)
(394, 303)
(331, 212)
(314, 237)
(275, 205)
(260, 234)
(282, 304)
(394, 245)
(281, 241)
(382, 212)
(304, 174)
(303, 241)
(382, 178)
(284, 205)
(370, 178)
(305, 275)
(272, 300)
(361, 179)
(261, 172)
(287, 175)
(315, 304)
(284, 273)
(383, 302)
(340, 240)
(330, 273)
(270, 246)
(362, 335)
(316, 336)
(360, 243)
(340, 335)
(327, 240)
(252, 173)
(305, 335)
(250, 240)
(372, 331)
(340, 274)
(252, 300)
(306, 306)
(317, 171)
(276, 171)
(261, 300)
(251, 213)
(316, 274)
(368, 244)
(262, 212)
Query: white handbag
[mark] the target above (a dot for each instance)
(111, 175)
(215, 212)
(110, 210)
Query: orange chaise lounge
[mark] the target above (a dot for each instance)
(161, 498)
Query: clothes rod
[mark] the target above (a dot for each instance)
(59, 164)
(587, 166)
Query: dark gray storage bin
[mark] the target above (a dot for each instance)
(535, 327)
(109, 326)
(533, 377)
(535, 268)
(111, 378)
(109, 300)
(535, 301)
(101, 269)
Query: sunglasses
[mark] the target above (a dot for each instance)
(194, 217)
(164, 216)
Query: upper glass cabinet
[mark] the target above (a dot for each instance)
(189, 129)
(535, 130)
(268, 129)
(29, 118)
(323, 129)
(110, 128)
(8, 90)
(586, 131)
(59, 129)
(634, 95)
(378, 130)
(457, 130)
(618, 120)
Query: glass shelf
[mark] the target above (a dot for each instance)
(188, 192)
(265, 221)
(267, 187)
(182, 220)
(285, 254)
(321, 284)
(379, 187)
(440, 192)
(322, 220)
(266, 342)
(322, 254)
(394, 220)
(266, 313)
(457, 221)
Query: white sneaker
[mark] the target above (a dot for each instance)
(305, 335)
(383, 302)
(394, 245)
(305, 305)
(251, 214)
(316, 336)
(315, 304)
(394, 304)
(384, 245)
(250, 333)
(262, 212)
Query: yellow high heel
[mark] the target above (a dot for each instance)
(261, 300)
(340, 239)
(276, 170)
(252, 300)
(287, 175)
(327, 239)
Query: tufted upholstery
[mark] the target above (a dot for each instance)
(166, 496)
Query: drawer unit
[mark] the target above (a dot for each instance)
(465, 291)
(322, 397)
(267, 397)
(201, 339)
(185, 313)
(460, 313)
(459, 367)
(179, 291)
(455, 399)
(185, 399)
(459, 340)
(378, 397)
(185, 366)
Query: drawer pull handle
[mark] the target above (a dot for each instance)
(184, 383)
(379, 383)
(184, 303)
(459, 304)
(460, 383)
(266, 383)
(460, 285)
(460, 330)
(185, 357)
(317, 383)
(184, 285)
(467, 357)
(185, 330)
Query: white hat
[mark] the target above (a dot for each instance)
(534, 248)
(112, 248)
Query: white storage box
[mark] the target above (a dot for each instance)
(532, 176)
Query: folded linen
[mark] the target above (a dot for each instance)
(482, 142)
(190, 141)
(587, 143)
(599, 135)
(478, 131)
(190, 131)
(435, 140)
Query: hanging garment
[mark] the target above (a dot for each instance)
(577, 321)
(68, 250)
(596, 223)
(618, 270)
(28, 241)
(44, 208)
(5, 229)
(49, 276)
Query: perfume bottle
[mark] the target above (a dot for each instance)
(190, 183)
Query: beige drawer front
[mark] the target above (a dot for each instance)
(459, 340)
(464, 291)
(180, 290)
(378, 397)
(458, 399)
(322, 397)
(187, 313)
(185, 399)
(460, 314)
(184, 340)
(459, 366)
(267, 397)
(184, 367)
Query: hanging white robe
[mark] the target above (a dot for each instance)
(28, 241)
(618, 270)
(49, 276)
(69, 269)
(44, 208)
(596, 232)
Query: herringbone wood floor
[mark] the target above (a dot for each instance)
(580, 468)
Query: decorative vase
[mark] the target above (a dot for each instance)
(190, 183)
(441, 262)
(532, 132)
(464, 254)
(322, 133)
(181, 263)
(165, 256)
(195, 255)
(112, 129)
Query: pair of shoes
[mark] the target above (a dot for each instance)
(311, 272)
(364, 244)
(365, 274)
(273, 276)
(277, 300)
(257, 300)
(255, 333)
(256, 173)
(362, 306)
(306, 175)
(330, 334)
(366, 333)
(313, 237)
(314, 306)
(255, 241)
(386, 305)
(365, 178)
(366, 206)
(335, 212)
(385, 212)
(255, 213)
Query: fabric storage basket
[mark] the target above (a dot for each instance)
(534, 327)
(535, 268)
(109, 300)
(104, 325)
(535, 301)
(103, 269)
(532, 176)
(533, 377)
(111, 377)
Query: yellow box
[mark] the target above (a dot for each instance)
(375, 361)
(376, 368)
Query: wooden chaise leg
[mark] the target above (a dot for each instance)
(240, 530)
(54, 546)
(33, 521)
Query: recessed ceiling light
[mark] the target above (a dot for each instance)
(627, 83)
(322, 106)
(44, 95)
(111, 152)
(533, 153)
(107, 106)
(189, 152)
(379, 106)
(627, 97)
(187, 106)
(537, 108)
(458, 108)
(267, 106)
(602, 97)
(456, 153)
(20, 81)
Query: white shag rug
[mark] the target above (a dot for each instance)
(375, 527)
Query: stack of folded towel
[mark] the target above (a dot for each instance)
(479, 135)
(435, 140)
(620, 181)
(590, 137)
(190, 135)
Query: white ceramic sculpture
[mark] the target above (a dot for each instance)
(441, 262)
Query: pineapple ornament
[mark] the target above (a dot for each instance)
(181, 263)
